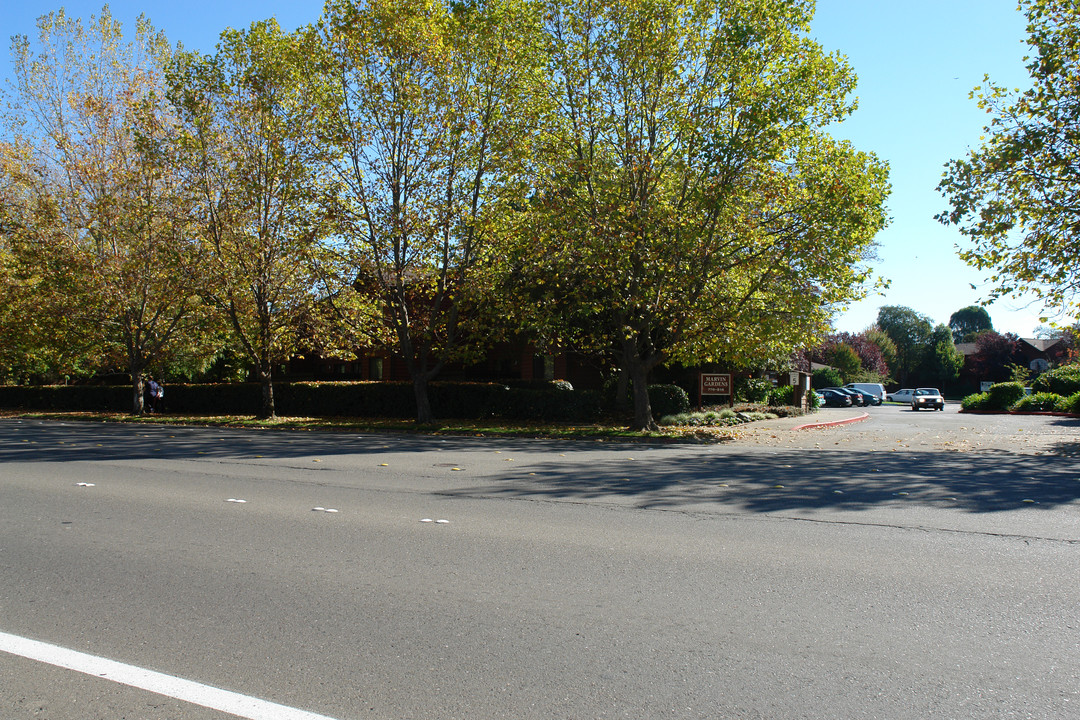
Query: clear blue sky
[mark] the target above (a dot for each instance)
(916, 60)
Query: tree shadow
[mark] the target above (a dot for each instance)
(672, 476)
(792, 480)
(27, 440)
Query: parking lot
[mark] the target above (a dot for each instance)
(891, 428)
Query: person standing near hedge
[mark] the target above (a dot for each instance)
(155, 392)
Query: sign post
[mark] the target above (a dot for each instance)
(715, 384)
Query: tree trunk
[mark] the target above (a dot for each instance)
(638, 370)
(138, 389)
(424, 415)
(622, 390)
(266, 410)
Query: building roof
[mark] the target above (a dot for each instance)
(1041, 344)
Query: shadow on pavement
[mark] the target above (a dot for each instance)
(24, 440)
(799, 480)
(745, 479)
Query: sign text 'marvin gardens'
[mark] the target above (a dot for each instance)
(715, 384)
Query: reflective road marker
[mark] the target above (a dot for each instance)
(155, 682)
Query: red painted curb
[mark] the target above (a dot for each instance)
(832, 423)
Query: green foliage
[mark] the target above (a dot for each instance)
(668, 399)
(826, 377)
(782, 395)
(966, 322)
(715, 419)
(1018, 373)
(99, 205)
(248, 116)
(541, 402)
(1014, 196)
(1070, 404)
(976, 401)
(942, 361)
(886, 346)
(1004, 395)
(1064, 380)
(73, 398)
(432, 115)
(692, 201)
(911, 333)
(812, 400)
(752, 390)
(1038, 402)
(846, 361)
(1001, 396)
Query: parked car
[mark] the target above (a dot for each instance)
(868, 398)
(835, 398)
(901, 396)
(927, 398)
(875, 389)
(856, 397)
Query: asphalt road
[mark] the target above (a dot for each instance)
(886, 569)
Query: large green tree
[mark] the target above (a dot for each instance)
(942, 361)
(911, 333)
(430, 123)
(968, 322)
(1017, 196)
(691, 204)
(102, 214)
(250, 113)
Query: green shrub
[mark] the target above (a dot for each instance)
(978, 401)
(826, 377)
(1037, 402)
(754, 390)
(1001, 396)
(1064, 380)
(783, 395)
(70, 398)
(1004, 395)
(538, 401)
(1070, 404)
(668, 400)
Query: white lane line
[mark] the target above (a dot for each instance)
(189, 691)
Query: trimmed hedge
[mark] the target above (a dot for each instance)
(1001, 396)
(752, 390)
(1063, 381)
(1070, 404)
(668, 400)
(70, 398)
(977, 401)
(540, 401)
(782, 395)
(1037, 402)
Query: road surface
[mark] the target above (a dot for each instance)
(867, 571)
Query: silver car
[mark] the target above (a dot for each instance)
(901, 396)
(927, 398)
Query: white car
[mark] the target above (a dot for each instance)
(901, 396)
(928, 398)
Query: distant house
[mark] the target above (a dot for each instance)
(1036, 354)
(1041, 354)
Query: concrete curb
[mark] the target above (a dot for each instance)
(832, 423)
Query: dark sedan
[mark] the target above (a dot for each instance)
(855, 395)
(835, 398)
(867, 398)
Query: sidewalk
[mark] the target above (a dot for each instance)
(823, 418)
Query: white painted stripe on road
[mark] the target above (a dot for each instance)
(214, 698)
